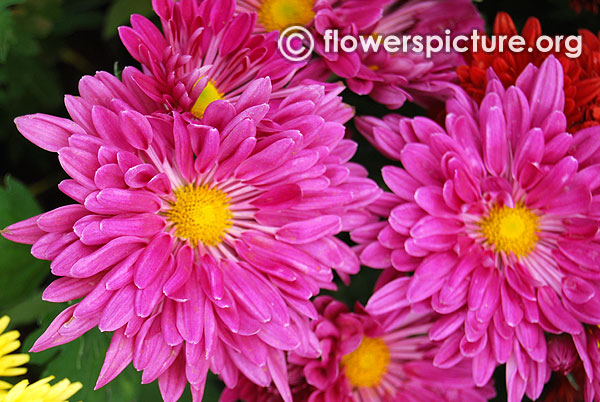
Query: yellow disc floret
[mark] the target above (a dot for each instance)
(276, 15)
(366, 366)
(511, 229)
(200, 214)
(209, 94)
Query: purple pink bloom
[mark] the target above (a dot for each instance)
(198, 244)
(370, 359)
(496, 217)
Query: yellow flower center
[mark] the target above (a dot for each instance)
(511, 229)
(276, 15)
(200, 214)
(366, 366)
(209, 94)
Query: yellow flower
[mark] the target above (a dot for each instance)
(9, 342)
(41, 391)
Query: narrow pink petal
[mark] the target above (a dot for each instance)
(278, 369)
(148, 298)
(140, 175)
(129, 200)
(496, 152)
(62, 264)
(303, 232)
(266, 160)
(67, 289)
(553, 310)
(80, 165)
(47, 132)
(421, 164)
(169, 323)
(26, 232)
(51, 336)
(183, 148)
(74, 190)
(122, 273)
(183, 270)
(109, 175)
(188, 324)
(400, 182)
(483, 366)
(173, 381)
(119, 310)
(136, 129)
(118, 356)
(547, 94)
(141, 225)
(151, 260)
(108, 255)
(280, 197)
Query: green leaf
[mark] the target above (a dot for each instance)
(8, 3)
(30, 310)
(119, 13)
(7, 36)
(20, 273)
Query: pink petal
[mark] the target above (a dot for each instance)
(47, 132)
(118, 356)
(307, 231)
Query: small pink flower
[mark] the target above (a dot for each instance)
(198, 244)
(371, 358)
(495, 217)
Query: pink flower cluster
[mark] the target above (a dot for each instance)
(210, 187)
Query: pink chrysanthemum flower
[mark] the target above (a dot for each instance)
(371, 358)
(199, 245)
(391, 79)
(207, 54)
(495, 218)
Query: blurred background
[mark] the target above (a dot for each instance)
(46, 46)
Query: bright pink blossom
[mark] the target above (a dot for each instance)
(367, 358)
(496, 218)
(198, 245)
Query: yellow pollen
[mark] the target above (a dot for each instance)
(276, 15)
(366, 366)
(200, 214)
(511, 229)
(209, 94)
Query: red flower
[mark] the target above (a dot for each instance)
(587, 5)
(582, 74)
